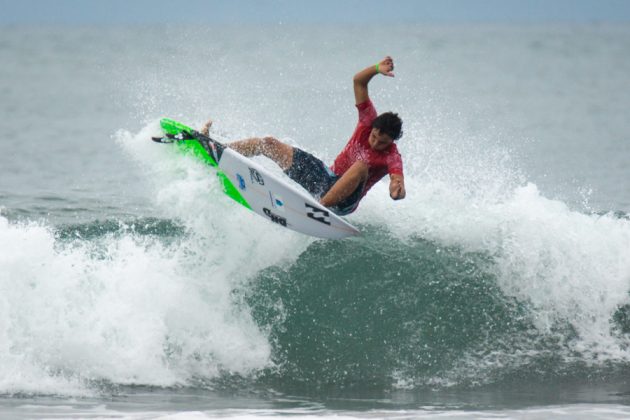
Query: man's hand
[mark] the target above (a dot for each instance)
(362, 78)
(397, 187)
(386, 66)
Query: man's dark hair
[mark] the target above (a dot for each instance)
(390, 124)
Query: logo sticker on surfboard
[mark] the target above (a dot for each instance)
(241, 182)
(322, 216)
(256, 176)
(276, 201)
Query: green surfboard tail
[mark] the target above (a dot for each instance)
(192, 142)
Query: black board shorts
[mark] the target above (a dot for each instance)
(317, 178)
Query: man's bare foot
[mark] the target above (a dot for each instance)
(206, 127)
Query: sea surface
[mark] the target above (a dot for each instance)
(130, 287)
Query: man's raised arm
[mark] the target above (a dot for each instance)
(362, 78)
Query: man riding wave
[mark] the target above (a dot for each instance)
(369, 155)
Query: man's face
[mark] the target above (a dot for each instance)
(379, 141)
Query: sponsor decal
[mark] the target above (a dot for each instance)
(275, 218)
(314, 213)
(241, 182)
(276, 201)
(256, 176)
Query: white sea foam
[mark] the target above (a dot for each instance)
(130, 309)
(125, 313)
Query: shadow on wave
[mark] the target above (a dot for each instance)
(148, 226)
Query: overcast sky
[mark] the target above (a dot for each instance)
(312, 11)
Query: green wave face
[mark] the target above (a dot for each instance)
(364, 314)
(382, 313)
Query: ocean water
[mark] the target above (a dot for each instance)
(130, 287)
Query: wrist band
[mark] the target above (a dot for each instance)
(377, 70)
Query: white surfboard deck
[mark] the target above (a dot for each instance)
(282, 203)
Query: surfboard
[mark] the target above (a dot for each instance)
(256, 188)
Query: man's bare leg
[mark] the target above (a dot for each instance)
(356, 175)
(271, 147)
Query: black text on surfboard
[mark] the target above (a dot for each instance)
(275, 218)
(321, 216)
(256, 176)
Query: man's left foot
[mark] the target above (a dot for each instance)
(206, 127)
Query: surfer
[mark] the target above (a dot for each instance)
(369, 155)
